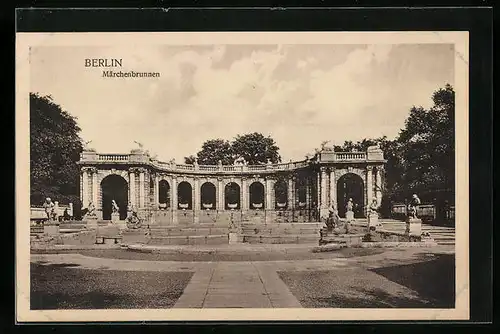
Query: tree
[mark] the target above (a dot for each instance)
(256, 149)
(212, 151)
(55, 148)
(428, 148)
(421, 159)
(190, 159)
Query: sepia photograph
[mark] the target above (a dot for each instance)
(203, 175)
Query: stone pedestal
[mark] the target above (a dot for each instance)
(234, 238)
(373, 223)
(109, 241)
(324, 213)
(91, 222)
(51, 228)
(115, 217)
(349, 215)
(122, 224)
(414, 227)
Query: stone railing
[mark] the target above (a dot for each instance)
(113, 157)
(350, 156)
(172, 166)
(37, 212)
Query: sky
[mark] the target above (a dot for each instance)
(300, 95)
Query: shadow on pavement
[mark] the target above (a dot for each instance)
(433, 280)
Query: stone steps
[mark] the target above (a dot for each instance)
(290, 225)
(281, 239)
(189, 240)
(189, 231)
(267, 231)
(443, 235)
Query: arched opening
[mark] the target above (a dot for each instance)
(350, 186)
(164, 194)
(184, 195)
(208, 196)
(232, 196)
(257, 196)
(281, 194)
(301, 186)
(114, 187)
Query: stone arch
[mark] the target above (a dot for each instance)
(281, 193)
(232, 192)
(114, 187)
(185, 195)
(257, 196)
(351, 185)
(301, 188)
(208, 196)
(164, 194)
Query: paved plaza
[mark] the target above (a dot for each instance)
(369, 278)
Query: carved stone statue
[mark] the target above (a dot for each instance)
(350, 205)
(48, 206)
(115, 208)
(413, 205)
(333, 216)
(373, 208)
(90, 210)
(139, 144)
(133, 221)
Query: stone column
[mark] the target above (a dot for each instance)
(290, 193)
(268, 189)
(318, 190)
(220, 195)
(141, 188)
(156, 191)
(333, 187)
(174, 199)
(85, 188)
(324, 200)
(131, 186)
(94, 188)
(244, 195)
(378, 183)
(369, 185)
(308, 192)
(196, 200)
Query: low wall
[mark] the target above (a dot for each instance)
(224, 217)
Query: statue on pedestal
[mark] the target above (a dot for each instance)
(133, 220)
(114, 207)
(48, 206)
(373, 208)
(412, 206)
(413, 224)
(350, 205)
(333, 216)
(90, 211)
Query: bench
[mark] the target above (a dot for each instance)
(108, 240)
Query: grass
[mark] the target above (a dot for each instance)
(64, 286)
(429, 284)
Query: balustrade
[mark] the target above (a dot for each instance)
(113, 157)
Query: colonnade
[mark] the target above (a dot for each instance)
(318, 188)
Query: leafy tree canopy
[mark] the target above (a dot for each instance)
(421, 159)
(255, 148)
(55, 148)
